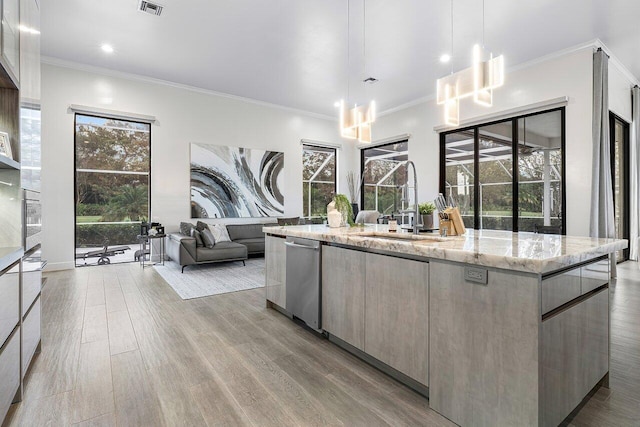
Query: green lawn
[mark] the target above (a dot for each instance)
(85, 219)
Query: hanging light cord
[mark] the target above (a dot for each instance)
(483, 24)
(451, 59)
(348, 46)
(364, 39)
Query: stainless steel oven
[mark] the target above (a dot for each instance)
(32, 209)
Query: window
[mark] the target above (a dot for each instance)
(384, 173)
(619, 136)
(508, 175)
(318, 179)
(112, 186)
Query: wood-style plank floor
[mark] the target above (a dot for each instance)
(119, 347)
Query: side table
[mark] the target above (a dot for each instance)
(145, 248)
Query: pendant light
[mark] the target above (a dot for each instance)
(355, 123)
(477, 81)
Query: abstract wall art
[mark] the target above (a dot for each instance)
(233, 182)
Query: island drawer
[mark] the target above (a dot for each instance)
(9, 302)
(560, 289)
(31, 279)
(30, 335)
(9, 372)
(594, 275)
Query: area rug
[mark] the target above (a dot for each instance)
(212, 279)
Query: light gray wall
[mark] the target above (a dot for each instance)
(183, 116)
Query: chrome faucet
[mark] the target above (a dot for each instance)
(416, 210)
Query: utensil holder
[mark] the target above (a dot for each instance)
(454, 225)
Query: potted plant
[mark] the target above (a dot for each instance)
(344, 207)
(426, 211)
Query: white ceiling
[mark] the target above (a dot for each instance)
(294, 52)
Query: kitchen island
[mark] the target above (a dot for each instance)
(497, 328)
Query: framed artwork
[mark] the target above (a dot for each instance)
(233, 182)
(5, 145)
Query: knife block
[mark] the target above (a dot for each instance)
(454, 225)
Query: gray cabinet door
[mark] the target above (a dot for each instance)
(397, 314)
(483, 346)
(343, 276)
(276, 269)
(575, 355)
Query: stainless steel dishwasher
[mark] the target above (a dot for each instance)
(303, 280)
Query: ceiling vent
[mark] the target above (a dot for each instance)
(150, 8)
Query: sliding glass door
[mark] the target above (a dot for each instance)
(507, 175)
(112, 172)
(457, 172)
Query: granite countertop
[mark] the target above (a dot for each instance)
(526, 252)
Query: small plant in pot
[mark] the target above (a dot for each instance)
(344, 207)
(426, 211)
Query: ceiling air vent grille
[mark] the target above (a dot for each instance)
(150, 8)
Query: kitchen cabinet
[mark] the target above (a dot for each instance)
(484, 345)
(10, 39)
(560, 289)
(575, 355)
(276, 269)
(397, 314)
(29, 52)
(9, 336)
(30, 335)
(9, 371)
(343, 294)
(594, 275)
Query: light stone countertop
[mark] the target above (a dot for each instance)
(526, 252)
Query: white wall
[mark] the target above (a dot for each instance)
(619, 92)
(183, 116)
(568, 75)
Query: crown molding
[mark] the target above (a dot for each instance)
(62, 63)
(592, 44)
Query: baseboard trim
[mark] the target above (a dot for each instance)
(57, 266)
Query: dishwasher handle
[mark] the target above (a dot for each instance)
(297, 245)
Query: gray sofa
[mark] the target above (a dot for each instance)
(246, 239)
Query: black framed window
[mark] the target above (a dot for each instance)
(112, 186)
(319, 172)
(384, 172)
(620, 173)
(508, 174)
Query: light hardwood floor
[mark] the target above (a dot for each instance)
(121, 348)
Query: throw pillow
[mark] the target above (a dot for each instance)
(207, 238)
(185, 228)
(201, 225)
(220, 232)
(196, 234)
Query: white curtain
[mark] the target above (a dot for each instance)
(602, 211)
(634, 152)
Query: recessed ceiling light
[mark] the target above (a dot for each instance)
(107, 48)
(445, 58)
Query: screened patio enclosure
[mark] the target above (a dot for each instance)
(384, 170)
(318, 179)
(508, 175)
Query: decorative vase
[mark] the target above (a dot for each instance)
(427, 221)
(334, 218)
(356, 209)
